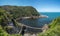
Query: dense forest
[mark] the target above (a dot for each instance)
(20, 11)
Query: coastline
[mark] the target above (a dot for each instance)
(33, 17)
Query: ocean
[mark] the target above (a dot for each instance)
(51, 15)
(41, 21)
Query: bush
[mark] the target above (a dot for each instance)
(54, 29)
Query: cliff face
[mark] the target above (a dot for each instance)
(21, 11)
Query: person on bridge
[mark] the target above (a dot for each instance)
(23, 30)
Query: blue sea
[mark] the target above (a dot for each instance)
(41, 21)
(51, 15)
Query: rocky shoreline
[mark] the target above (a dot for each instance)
(33, 17)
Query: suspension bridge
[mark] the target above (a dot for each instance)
(21, 25)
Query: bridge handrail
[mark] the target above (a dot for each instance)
(20, 24)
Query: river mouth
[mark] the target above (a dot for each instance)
(38, 23)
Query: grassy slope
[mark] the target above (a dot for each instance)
(2, 26)
(54, 29)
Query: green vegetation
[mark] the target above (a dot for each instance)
(4, 33)
(3, 24)
(20, 11)
(54, 29)
(14, 12)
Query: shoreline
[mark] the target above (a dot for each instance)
(33, 17)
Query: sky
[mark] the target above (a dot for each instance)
(40, 5)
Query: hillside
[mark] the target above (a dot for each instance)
(54, 26)
(9, 12)
(20, 11)
(54, 29)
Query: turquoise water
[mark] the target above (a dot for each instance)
(51, 15)
(41, 21)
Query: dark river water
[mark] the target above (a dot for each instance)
(35, 22)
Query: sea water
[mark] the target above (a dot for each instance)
(52, 15)
(41, 21)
